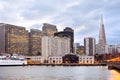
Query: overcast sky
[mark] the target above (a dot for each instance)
(81, 15)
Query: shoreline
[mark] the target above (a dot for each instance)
(114, 67)
(58, 65)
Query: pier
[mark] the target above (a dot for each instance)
(114, 66)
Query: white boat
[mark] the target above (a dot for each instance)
(4, 61)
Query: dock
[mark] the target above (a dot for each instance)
(114, 66)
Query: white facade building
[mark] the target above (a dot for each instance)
(102, 49)
(114, 48)
(89, 44)
(86, 59)
(55, 60)
(55, 46)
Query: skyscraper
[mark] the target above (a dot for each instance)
(102, 46)
(49, 29)
(55, 46)
(67, 32)
(102, 37)
(35, 37)
(89, 44)
(13, 39)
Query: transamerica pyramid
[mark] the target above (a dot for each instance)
(102, 37)
(102, 47)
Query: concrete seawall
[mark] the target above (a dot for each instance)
(71, 64)
(115, 66)
(63, 64)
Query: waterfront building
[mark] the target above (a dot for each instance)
(55, 60)
(35, 37)
(86, 59)
(13, 39)
(55, 46)
(70, 58)
(35, 59)
(49, 29)
(102, 46)
(67, 32)
(89, 46)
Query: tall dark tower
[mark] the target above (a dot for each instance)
(102, 37)
(102, 47)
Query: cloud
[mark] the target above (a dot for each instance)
(81, 15)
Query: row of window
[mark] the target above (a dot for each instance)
(85, 58)
(55, 58)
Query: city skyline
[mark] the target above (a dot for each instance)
(77, 14)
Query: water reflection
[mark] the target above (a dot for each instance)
(115, 75)
(58, 73)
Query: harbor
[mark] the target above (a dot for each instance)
(58, 73)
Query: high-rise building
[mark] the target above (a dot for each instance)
(78, 49)
(49, 29)
(68, 32)
(35, 37)
(89, 44)
(112, 49)
(76, 45)
(102, 46)
(55, 46)
(118, 48)
(13, 39)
